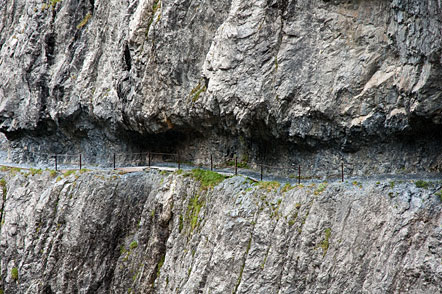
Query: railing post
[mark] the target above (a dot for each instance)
(114, 160)
(236, 165)
(80, 161)
(179, 163)
(56, 167)
(211, 162)
(148, 159)
(261, 172)
(299, 174)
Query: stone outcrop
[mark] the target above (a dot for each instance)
(107, 232)
(358, 80)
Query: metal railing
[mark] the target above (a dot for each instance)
(149, 159)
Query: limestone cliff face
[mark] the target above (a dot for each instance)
(100, 232)
(332, 76)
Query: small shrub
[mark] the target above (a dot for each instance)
(422, 184)
(14, 273)
(392, 185)
(133, 245)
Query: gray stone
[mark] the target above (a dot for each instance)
(106, 232)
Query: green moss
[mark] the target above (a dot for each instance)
(180, 223)
(241, 164)
(325, 243)
(287, 187)
(422, 184)
(52, 173)
(269, 186)
(197, 90)
(155, 7)
(242, 266)
(52, 3)
(293, 219)
(84, 21)
(208, 179)
(4, 189)
(193, 211)
(69, 172)
(133, 245)
(14, 170)
(392, 185)
(321, 188)
(84, 170)
(439, 194)
(14, 273)
(34, 171)
(356, 183)
(160, 265)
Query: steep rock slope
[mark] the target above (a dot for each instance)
(103, 232)
(337, 77)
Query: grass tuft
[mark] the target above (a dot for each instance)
(14, 273)
(69, 172)
(133, 245)
(422, 184)
(325, 243)
(269, 186)
(208, 179)
(84, 21)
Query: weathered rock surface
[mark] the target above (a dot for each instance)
(347, 79)
(102, 232)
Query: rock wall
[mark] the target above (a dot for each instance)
(346, 79)
(106, 232)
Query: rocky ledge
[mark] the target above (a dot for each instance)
(197, 232)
